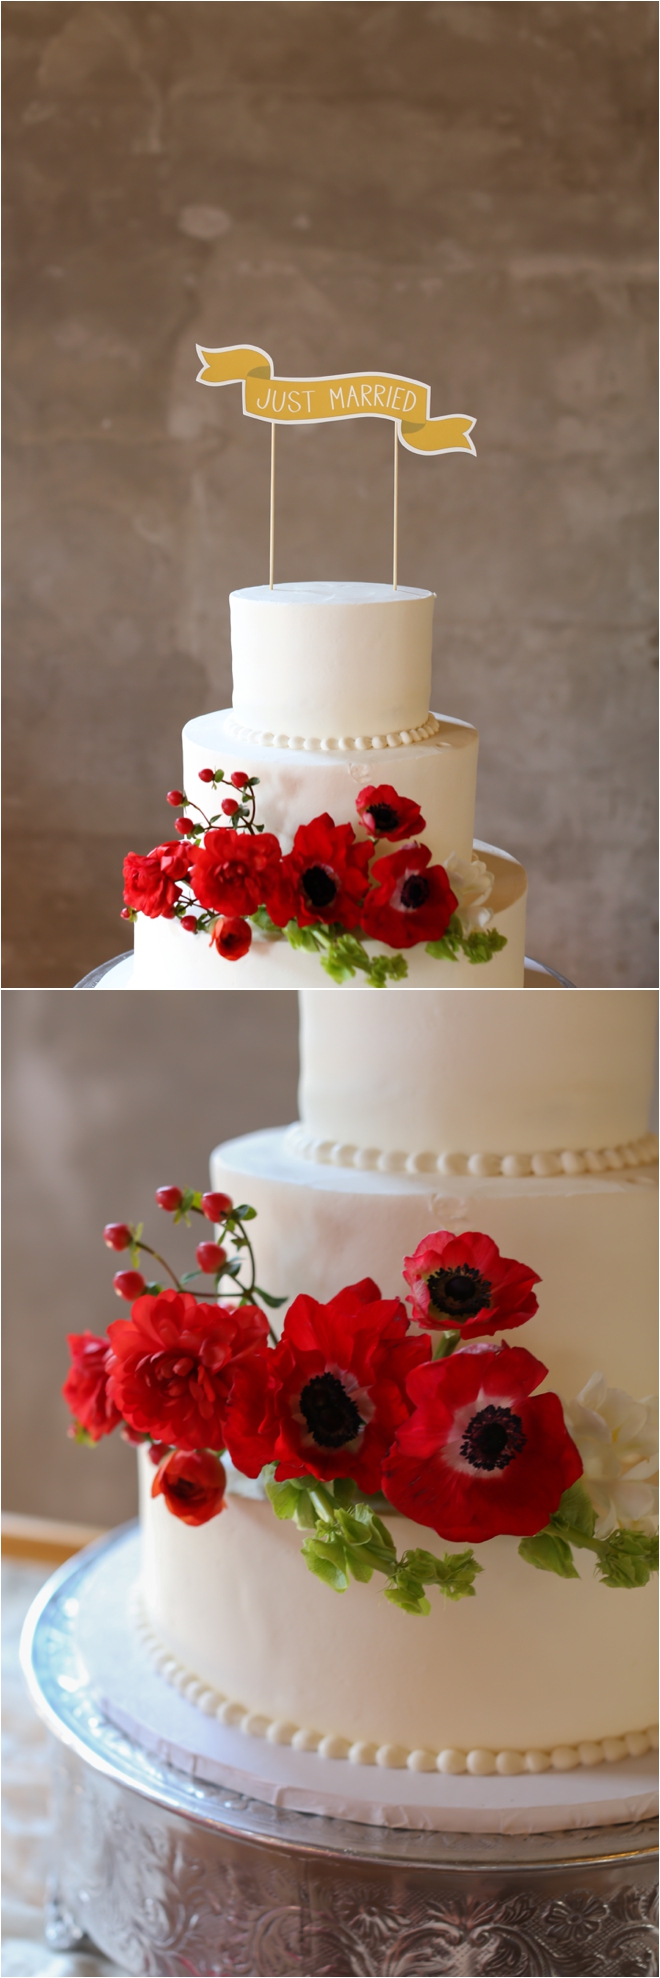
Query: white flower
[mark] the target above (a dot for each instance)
(618, 1441)
(473, 884)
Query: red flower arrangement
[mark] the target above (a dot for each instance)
(346, 1405)
(480, 1454)
(462, 1283)
(385, 814)
(324, 878)
(85, 1389)
(173, 1364)
(327, 1401)
(193, 1484)
(329, 894)
(410, 900)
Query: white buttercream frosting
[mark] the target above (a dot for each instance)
(322, 659)
(547, 1161)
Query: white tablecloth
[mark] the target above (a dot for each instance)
(27, 1820)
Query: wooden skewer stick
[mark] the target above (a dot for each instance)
(271, 575)
(395, 544)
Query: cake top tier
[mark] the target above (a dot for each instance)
(320, 660)
(508, 1073)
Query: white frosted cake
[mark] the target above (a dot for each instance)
(331, 690)
(526, 1121)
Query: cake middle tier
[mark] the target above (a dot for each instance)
(299, 779)
(591, 1237)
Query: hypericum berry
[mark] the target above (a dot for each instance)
(215, 1206)
(175, 797)
(125, 913)
(117, 1236)
(129, 1284)
(185, 827)
(229, 806)
(206, 775)
(169, 1198)
(239, 779)
(210, 1257)
(190, 923)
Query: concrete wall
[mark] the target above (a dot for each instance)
(458, 191)
(105, 1099)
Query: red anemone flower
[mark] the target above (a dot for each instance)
(231, 870)
(323, 878)
(174, 1362)
(478, 1456)
(385, 814)
(410, 899)
(329, 1398)
(462, 1282)
(193, 1484)
(85, 1389)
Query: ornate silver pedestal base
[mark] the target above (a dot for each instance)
(169, 1875)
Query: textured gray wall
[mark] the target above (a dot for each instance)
(105, 1098)
(458, 191)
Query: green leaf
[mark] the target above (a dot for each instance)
(283, 1496)
(454, 1574)
(481, 945)
(262, 920)
(627, 1559)
(328, 1555)
(343, 1491)
(301, 937)
(410, 1596)
(575, 1510)
(268, 1298)
(79, 1434)
(386, 968)
(550, 1553)
(154, 1288)
(244, 1214)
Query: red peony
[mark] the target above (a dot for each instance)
(192, 1483)
(329, 1398)
(477, 1456)
(462, 1282)
(85, 1389)
(231, 870)
(324, 877)
(174, 1363)
(150, 883)
(409, 901)
(232, 937)
(385, 814)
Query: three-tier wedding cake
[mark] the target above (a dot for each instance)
(331, 692)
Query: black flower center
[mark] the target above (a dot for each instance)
(492, 1439)
(460, 1293)
(384, 816)
(415, 890)
(331, 1417)
(319, 885)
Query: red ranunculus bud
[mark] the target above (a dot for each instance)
(210, 1257)
(117, 1236)
(175, 797)
(190, 923)
(206, 775)
(229, 806)
(185, 827)
(192, 1483)
(239, 779)
(232, 937)
(157, 1451)
(129, 1284)
(215, 1206)
(169, 1198)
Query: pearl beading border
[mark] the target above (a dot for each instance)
(603, 1160)
(400, 739)
(479, 1762)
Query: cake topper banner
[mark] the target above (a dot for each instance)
(355, 395)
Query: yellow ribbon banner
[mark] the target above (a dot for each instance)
(360, 395)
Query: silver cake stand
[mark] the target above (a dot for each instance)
(168, 1874)
(537, 974)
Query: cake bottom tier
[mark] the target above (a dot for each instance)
(532, 1665)
(166, 957)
